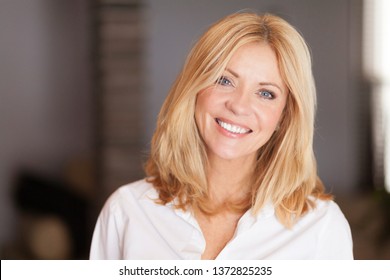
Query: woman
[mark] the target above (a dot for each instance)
(231, 172)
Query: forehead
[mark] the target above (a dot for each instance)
(257, 61)
(254, 53)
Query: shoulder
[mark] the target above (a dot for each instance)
(136, 190)
(333, 231)
(326, 212)
(327, 209)
(326, 219)
(130, 195)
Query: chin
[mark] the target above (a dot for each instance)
(229, 155)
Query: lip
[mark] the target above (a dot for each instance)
(231, 134)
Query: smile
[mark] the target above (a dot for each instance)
(233, 128)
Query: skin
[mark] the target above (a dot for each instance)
(235, 117)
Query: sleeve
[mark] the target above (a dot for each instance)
(335, 238)
(106, 239)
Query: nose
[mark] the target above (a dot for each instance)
(239, 103)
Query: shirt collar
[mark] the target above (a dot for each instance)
(250, 218)
(246, 221)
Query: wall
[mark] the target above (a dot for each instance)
(333, 31)
(119, 61)
(45, 98)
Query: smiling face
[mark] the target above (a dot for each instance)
(239, 114)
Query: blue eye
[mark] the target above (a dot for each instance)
(224, 81)
(266, 94)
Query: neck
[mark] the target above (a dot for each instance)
(229, 178)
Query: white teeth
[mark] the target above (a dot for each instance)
(232, 128)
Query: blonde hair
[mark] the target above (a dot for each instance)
(177, 162)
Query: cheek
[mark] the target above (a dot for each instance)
(269, 118)
(198, 107)
(204, 103)
(201, 107)
(277, 118)
(277, 112)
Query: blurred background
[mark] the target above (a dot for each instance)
(82, 81)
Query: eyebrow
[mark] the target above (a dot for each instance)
(261, 83)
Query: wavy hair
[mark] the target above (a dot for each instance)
(285, 173)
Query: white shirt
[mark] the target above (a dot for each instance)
(132, 226)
